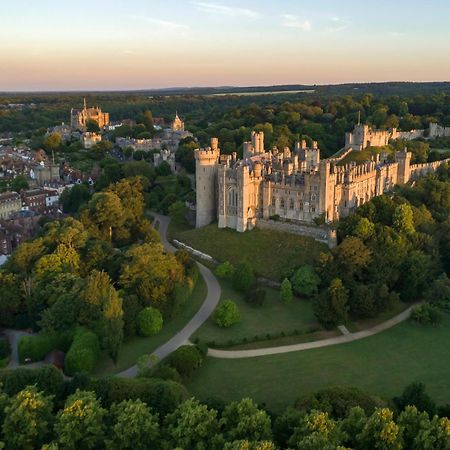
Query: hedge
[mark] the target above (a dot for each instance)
(37, 347)
(83, 354)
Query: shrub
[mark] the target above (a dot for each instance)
(426, 314)
(226, 314)
(5, 350)
(37, 347)
(256, 297)
(243, 277)
(186, 360)
(83, 353)
(286, 291)
(150, 321)
(225, 270)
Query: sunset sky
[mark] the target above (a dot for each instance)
(134, 44)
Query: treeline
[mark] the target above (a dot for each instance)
(393, 248)
(39, 410)
(84, 282)
(323, 116)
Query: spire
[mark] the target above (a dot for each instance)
(359, 117)
(84, 103)
(53, 157)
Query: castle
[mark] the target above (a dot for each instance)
(294, 185)
(80, 117)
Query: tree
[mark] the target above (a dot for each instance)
(352, 256)
(380, 432)
(81, 423)
(92, 126)
(52, 142)
(28, 419)
(19, 183)
(150, 273)
(133, 426)
(286, 291)
(194, 426)
(186, 359)
(243, 420)
(243, 277)
(305, 281)
(226, 314)
(72, 199)
(331, 306)
(150, 321)
(148, 121)
(415, 395)
(404, 219)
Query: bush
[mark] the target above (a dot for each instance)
(225, 270)
(36, 348)
(83, 353)
(426, 314)
(226, 314)
(243, 277)
(256, 297)
(305, 281)
(5, 349)
(186, 360)
(150, 321)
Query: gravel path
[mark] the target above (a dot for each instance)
(236, 354)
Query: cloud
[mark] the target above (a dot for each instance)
(340, 24)
(216, 8)
(397, 34)
(291, 21)
(163, 24)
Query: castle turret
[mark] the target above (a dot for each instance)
(404, 166)
(206, 163)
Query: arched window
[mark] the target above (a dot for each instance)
(274, 201)
(291, 203)
(282, 203)
(300, 205)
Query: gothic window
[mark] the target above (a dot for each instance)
(291, 203)
(274, 201)
(300, 206)
(282, 203)
(313, 208)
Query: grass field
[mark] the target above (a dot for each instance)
(382, 364)
(272, 254)
(135, 347)
(273, 318)
(365, 155)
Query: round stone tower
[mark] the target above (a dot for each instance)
(206, 162)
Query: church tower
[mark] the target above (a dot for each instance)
(206, 165)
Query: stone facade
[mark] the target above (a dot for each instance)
(294, 185)
(10, 203)
(80, 117)
(88, 140)
(363, 136)
(437, 131)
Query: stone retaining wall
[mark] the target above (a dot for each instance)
(320, 234)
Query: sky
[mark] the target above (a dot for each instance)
(140, 44)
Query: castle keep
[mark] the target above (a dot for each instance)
(292, 184)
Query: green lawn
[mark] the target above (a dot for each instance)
(382, 364)
(272, 254)
(271, 318)
(138, 346)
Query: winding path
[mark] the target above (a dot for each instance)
(208, 306)
(236, 354)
